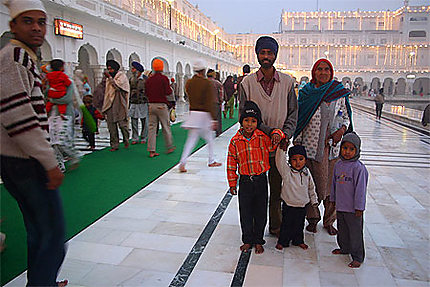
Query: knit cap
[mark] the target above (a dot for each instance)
(297, 149)
(353, 138)
(250, 109)
(17, 7)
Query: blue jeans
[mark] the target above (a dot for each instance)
(42, 211)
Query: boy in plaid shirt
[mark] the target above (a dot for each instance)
(248, 153)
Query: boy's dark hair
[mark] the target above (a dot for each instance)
(57, 64)
(88, 99)
(297, 149)
(246, 69)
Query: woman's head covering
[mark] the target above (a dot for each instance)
(137, 66)
(250, 109)
(315, 66)
(266, 42)
(157, 65)
(113, 64)
(17, 7)
(353, 138)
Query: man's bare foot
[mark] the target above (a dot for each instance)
(153, 154)
(245, 247)
(279, 246)
(214, 164)
(62, 283)
(259, 249)
(182, 168)
(170, 150)
(303, 246)
(338, 251)
(331, 230)
(311, 228)
(126, 144)
(354, 264)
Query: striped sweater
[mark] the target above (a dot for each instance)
(23, 119)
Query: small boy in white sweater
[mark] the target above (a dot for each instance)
(298, 189)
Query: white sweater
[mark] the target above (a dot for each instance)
(298, 188)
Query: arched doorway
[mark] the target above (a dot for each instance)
(132, 58)
(114, 54)
(347, 83)
(400, 88)
(87, 59)
(375, 84)
(421, 86)
(388, 86)
(179, 77)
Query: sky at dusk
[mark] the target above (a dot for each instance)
(263, 16)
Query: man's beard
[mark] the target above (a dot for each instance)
(264, 64)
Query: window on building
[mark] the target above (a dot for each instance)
(417, 34)
(372, 41)
(292, 40)
(355, 41)
(303, 41)
(343, 40)
(381, 24)
(370, 56)
(383, 41)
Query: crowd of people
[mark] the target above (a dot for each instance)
(322, 165)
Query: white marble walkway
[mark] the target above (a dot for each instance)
(144, 241)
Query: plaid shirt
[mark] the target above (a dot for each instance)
(267, 86)
(249, 157)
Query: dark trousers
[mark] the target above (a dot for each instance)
(89, 137)
(275, 181)
(42, 211)
(253, 208)
(350, 235)
(378, 108)
(293, 222)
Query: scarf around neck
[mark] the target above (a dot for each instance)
(310, 98)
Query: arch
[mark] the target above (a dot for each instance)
(388, 86)
(188, 70)
(5, 38)
(87, 57)
(165, 65)
(133, 57)
(45, 52)
(375, 84)
(346, 81)
(421, 86)
(400, 88)
(114, 54)
(179, 68)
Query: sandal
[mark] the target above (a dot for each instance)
(354, 264)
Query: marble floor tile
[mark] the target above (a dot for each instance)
(159, 242)
(270, 257)
(200, 218)
(227, 233)
(402, 265)
(374, 276)
(384, 235)
(335, 264)
(131, 212)
(127, 224)
(299, 272)
(261, 275)
(74, 270)
(96, 252)
(331, 279)
(411, 283)
(200, 278)
(219, 258)
(108, 275)
(154, 260)
(178, 229)
(149, 278)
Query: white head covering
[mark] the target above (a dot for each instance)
(17, 7)
(199, 64)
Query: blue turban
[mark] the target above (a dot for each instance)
(266, 42)
(137, 66)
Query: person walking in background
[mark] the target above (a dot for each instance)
(99, 92)
(78, 79)
(115, 105)
(274, 94)
(379, 103)
(248, 153)
(228, 97)
(298, 191)
(138, 104)
(348, 194)
(28, 165)
(201, 120)
(87, 87)
(58, 83)
(87, 133)
(157, 88)
(218, 90)
(324, 116)
(246, 69)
